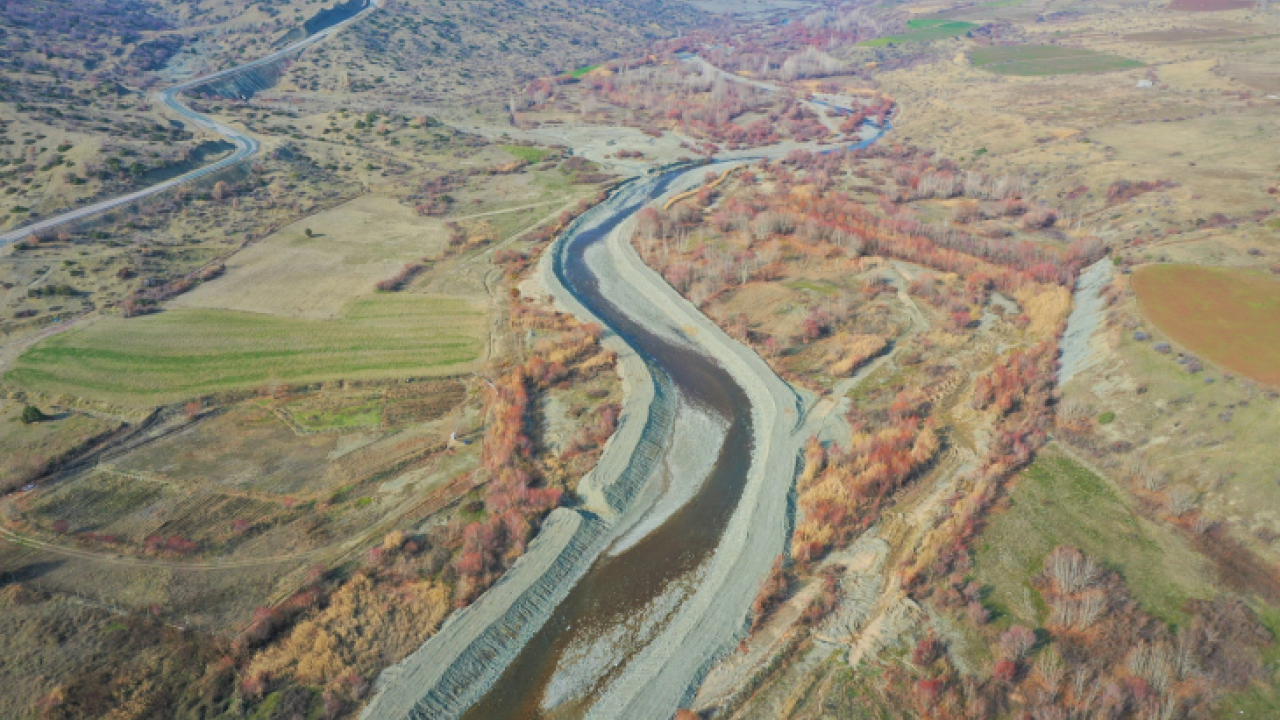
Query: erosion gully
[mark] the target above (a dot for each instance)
(617, 587)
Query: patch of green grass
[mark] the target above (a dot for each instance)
(820, 287)
(1274, 224)
(1032, 60)
(187, 352)
(927, 22)
(1056, 502)
(924, 30)
(527, 154)
(365, 414)
(583, 71)
(1106, 418)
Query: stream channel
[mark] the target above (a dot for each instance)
(631, 591)
(620, 588)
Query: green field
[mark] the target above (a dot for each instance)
(188, 352)
(367, 413)
(528, 154)
(583, 71)
(1056, 502)
(1032, 60)
(923, 30)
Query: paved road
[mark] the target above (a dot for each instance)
(246, 145)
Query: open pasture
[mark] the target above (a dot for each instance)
(527, 153)
(1034, 60)
(185, 353)
(130, 510)
(1055, 502)
(25, 450)
(1225, 315)
(245, 449)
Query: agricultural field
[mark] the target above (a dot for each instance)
(315, 267)
(924, 30)
(189, 352)
(1207, 432)
(1033, 60)
(1227, 315)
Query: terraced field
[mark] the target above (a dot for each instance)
(1033, 60)
(189, 352)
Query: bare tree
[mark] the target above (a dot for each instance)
(1070, 569)
(1017, 641)
(1182, 500)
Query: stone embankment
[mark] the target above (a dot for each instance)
(1088, 306)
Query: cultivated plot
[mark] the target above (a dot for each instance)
(1030, 60)
(313, 267)
(190, 352)
(1226, 315)
(923, 30)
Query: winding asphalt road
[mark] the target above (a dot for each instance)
(246, 145)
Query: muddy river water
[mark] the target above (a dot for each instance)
(621, 601)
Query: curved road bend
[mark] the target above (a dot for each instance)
(246, 145)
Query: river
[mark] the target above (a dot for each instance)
(621, 588)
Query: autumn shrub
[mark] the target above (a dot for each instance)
(773, 591)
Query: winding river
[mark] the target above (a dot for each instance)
(622, 604)
(620, 588)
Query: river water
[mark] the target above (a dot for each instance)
(621, 602)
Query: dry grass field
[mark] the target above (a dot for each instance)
(1210, 5)
(27, 449)
(352, 247)
(1227, 315)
